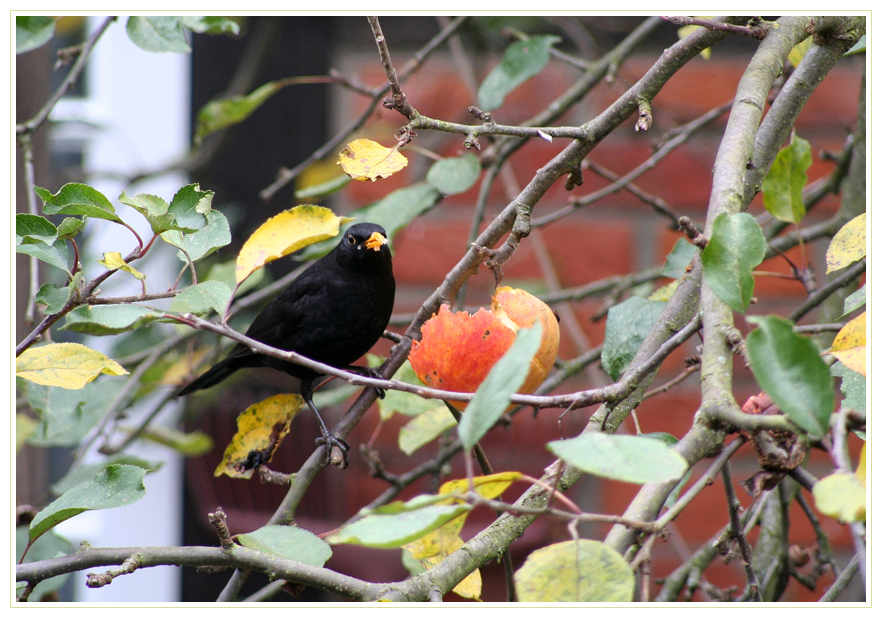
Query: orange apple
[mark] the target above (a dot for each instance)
(458, 350)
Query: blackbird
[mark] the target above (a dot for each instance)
(332, 313)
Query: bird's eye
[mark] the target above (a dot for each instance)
(351, 239)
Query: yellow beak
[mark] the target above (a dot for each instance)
(375, 241)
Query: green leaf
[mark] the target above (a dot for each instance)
(55, 254)
(505, 378)
(158, 34)
(53, 297)
(34, 228)
(38, 237)
(118, 485)
(32, 32)
(220, 114)
(84, 473)
(858, 48)
(202, 298)
(425, 428)
(154, 209)
(108, 319)
(633, 459)
(322, 189)
(289, 542)
(75, 198)
(405, 403)
(393, 212)
(70, 227)
(225, 272)
(213, 236)
(193, 444)
(581, 571)
(782, 188)
(66, 416)
(855, 301)
(191, 206)
(210, 25)
(854, 387)
(521, 61)
(454, 175)
(46, 547)
(789, 368)
(394, 530)
(678, 259)
(735, 248)
(627, 325)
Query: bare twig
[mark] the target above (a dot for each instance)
(737, 533)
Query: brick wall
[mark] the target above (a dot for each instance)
(618, 235)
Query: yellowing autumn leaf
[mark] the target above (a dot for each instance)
(443, 541)
(284, 234)
(365, 159)
(849, 244)
(468, 588)
(685, 31)
(114, 261)
(489, 486)
(67, 365)
(861, 471)
(850, 345)
(796, 54)
(665, 292)
(261, 429)
(841, 496)
(581, 571)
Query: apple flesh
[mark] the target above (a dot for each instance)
(458, 350)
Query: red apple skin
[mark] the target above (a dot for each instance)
(458, 350)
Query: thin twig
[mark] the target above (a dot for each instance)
(737, 533)
(842, 581)
(40, 117)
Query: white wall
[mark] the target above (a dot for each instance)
(138, 108)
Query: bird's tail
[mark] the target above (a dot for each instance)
(218, 373)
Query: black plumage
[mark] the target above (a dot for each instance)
(333, 313)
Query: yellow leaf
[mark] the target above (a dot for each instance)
(489, 486)
(581, 571)
(261, 429)
(68, 365)
(468, 588)
(849, 244)
(850, 345)
(686, 31)
(438, 541)
(861, 472)
(284, 234)
(114, 261)
(365, 159)
(664, 292)
(181, 368)
(841, 496)
(796, 54)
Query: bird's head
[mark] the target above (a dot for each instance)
(365, 241)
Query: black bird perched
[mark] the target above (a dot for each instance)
(332, 313)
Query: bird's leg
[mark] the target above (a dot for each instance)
(369, 372)
(335, 447)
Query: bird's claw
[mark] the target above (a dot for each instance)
(336, 450)
(370, 372)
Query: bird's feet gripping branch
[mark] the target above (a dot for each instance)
(332, 313)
